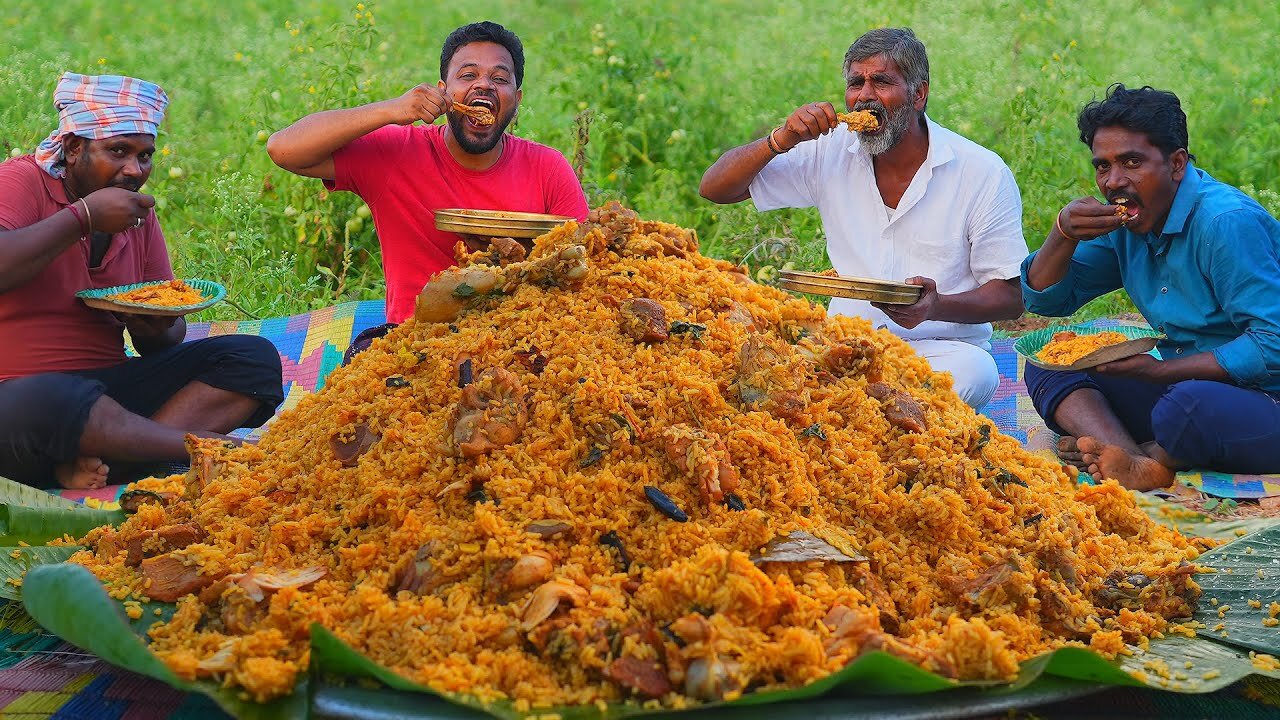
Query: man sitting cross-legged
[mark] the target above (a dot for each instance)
(1199, 259)
(74, 411)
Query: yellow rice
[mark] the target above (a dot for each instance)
(926, 508)
(171, 293)
(1067, 350)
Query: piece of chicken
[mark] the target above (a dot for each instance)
(449, 292)
(149, 543)
(859, 120)
(900, 409)
(703, 456)
(770, 376)
(481, 115)
(492, 413)
(643, 320)
(169, 577)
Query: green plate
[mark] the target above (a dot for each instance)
(1140, 340)
(97, 298)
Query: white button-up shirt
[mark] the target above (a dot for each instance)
(959, 222)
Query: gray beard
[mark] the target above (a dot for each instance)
(883, 142)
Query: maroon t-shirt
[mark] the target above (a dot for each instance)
(405, 174)
(44, 327)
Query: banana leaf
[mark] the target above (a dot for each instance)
(16, 561)
(875, 673)
(37, 526)
(877, 680)
(1171, 655)
(70, 602)
(35, 517)
(1194, 523)
(1247, 570)
(15, 493)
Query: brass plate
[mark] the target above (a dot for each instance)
(850, 281)
(852, 293)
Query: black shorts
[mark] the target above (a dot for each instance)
(43, 416)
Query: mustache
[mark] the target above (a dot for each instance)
(874, 106)
(128, 185)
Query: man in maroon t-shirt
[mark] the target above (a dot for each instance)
(72, 218)
(406, 172)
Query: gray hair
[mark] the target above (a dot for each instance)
(900, 45)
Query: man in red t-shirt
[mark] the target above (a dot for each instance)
(71, 218)
(406, 172)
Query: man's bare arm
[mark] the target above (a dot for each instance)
(151, 333)
(728, 180)
(1081, 220)
(26, 252)
(306, 147)
(992, 300)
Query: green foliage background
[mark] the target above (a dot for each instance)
(669, 85)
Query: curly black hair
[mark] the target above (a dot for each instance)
(483, 32)
(1154, 113)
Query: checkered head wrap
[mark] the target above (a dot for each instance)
(99, 107)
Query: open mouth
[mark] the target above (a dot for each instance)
(1126, 208)
(880, 115)
(481, 112)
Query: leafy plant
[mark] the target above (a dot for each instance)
(669, 87)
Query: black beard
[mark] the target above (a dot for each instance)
(456, 121)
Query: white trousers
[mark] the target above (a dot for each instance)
(973, 370)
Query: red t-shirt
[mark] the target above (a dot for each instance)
(44, 327)
(405, 173)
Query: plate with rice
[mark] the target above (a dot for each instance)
(157, 297)
(1079, 347)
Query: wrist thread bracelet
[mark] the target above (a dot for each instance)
(774, 147)
(1057, 224)
(83, 232)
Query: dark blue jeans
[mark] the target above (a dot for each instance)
(1206, 424)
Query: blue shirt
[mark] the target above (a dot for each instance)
(1210, 280)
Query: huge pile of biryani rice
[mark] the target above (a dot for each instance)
(617, 470)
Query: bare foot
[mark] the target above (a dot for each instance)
(86, 473)
(1132, 470)
(1068, 451)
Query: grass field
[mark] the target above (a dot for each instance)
(666, 86)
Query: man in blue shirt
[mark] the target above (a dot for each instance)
(1199, 259)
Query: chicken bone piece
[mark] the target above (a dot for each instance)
(482, 115)
(451, 291)
(859, 120)
(702, 456)
(491, 413)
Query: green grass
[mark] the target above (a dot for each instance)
(668, 86)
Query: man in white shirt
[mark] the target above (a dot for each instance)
(909, 198)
